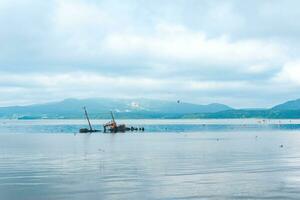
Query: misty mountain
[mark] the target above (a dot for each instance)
(144, 108)
(289, 105)
(99, 108)
(287, 110)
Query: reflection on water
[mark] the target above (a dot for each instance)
(208, 164)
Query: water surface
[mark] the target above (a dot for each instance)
(245, 160)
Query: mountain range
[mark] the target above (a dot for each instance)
(143, 108)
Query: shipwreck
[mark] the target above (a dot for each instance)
(109, 127)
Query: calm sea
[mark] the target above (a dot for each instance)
(172, 159)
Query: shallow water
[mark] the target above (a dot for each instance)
(246, 160)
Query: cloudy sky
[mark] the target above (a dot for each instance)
(241, 53)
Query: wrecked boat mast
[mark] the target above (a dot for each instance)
(87, 117)
(85, 130)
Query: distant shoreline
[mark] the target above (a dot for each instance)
(256, 120)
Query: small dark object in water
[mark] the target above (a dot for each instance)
(178, 101)
(86, 130)
(281, 146)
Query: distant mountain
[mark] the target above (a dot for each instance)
(287, 110)
(144, 108)
(100, 107)
(290, 105)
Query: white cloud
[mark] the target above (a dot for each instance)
(36, 87)
(177, 42)
(201, 50)
(290, 73)
(72, 15)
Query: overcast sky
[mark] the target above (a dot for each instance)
(241, 53)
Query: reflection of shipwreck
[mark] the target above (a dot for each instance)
(110, 127)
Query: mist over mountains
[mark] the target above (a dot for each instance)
(143, 108)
